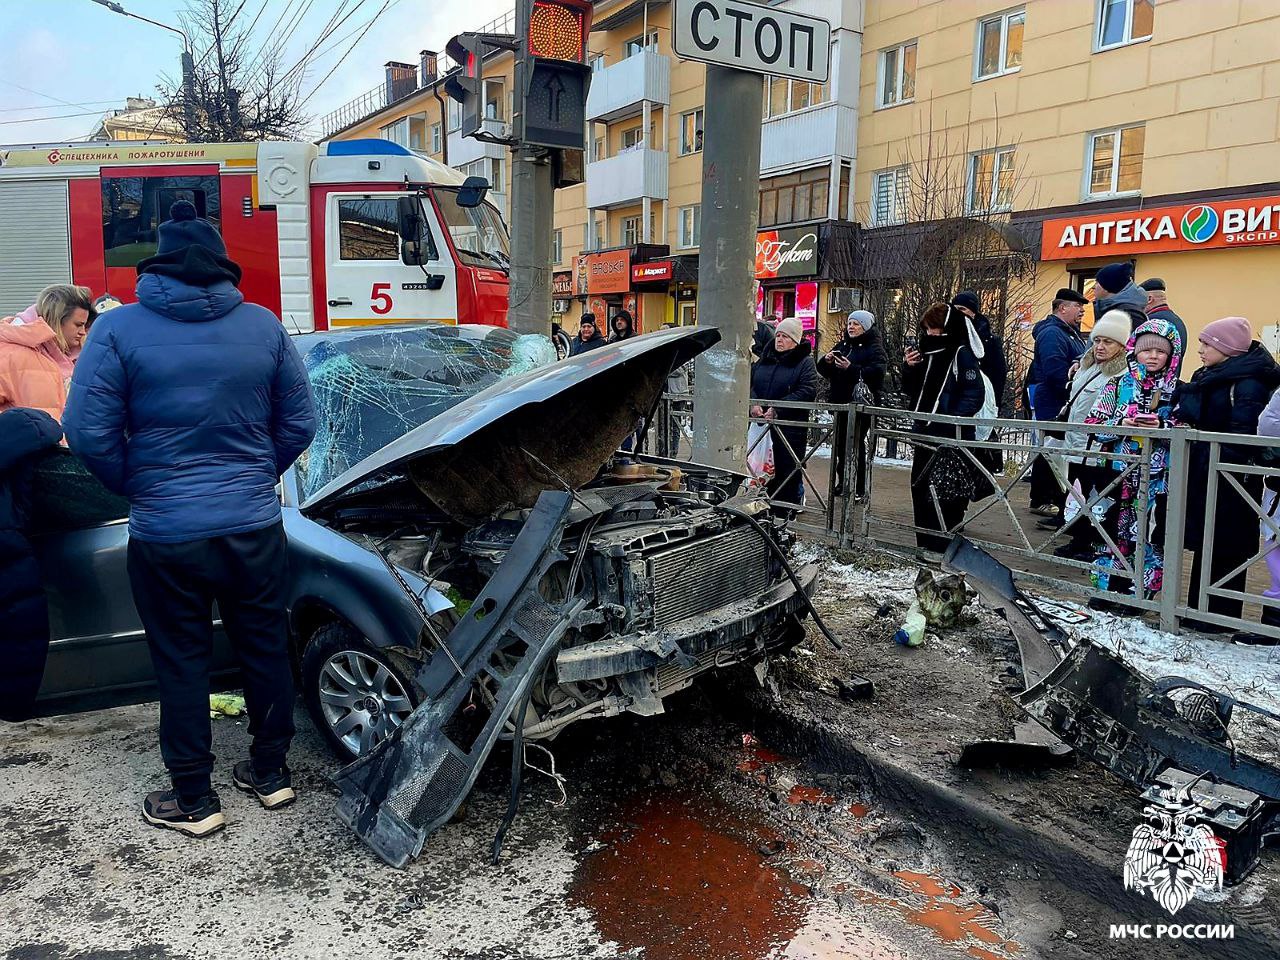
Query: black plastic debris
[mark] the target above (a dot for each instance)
(412, 783)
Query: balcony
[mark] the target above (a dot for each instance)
(463, 150)
(627, 178)
(818, 133)
(619, 92)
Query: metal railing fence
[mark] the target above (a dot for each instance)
(1158, 490)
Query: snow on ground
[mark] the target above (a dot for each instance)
(1251, 674)
(1248, 674)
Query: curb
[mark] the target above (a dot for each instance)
(972, 820)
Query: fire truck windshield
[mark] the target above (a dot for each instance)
(479, 235)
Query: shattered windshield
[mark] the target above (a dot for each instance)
(479, 235)
(373, 388)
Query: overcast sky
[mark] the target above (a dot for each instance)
(66, 62)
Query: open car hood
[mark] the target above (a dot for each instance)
(536, 431)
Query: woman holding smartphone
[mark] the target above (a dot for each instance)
(1141, 396)
(1226, 395)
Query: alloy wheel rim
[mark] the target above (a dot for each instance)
(362, 701)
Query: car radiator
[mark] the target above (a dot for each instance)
(704, 574)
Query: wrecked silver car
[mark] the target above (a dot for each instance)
(435, 447)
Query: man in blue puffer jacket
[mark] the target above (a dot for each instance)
(191, 403)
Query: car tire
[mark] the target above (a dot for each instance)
(357, 695)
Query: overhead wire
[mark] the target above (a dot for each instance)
(325, 33)
(387, 5)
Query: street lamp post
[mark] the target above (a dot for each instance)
(188, 64)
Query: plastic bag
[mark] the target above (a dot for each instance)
(760, 451)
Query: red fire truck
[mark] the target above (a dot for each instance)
(347, 233)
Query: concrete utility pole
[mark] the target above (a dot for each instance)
(726, 263)
(532, 199)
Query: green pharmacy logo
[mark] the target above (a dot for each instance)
(1199, 224)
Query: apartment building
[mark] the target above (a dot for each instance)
(1101, 130)
(1074, 132)
(410, 107)
(629, 236)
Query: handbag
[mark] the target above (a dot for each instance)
(949, 473)
(760, 451)
(862, 393)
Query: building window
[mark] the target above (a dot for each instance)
(497, 180)
(1123, 21)
(690, 132)
(999, 44)
(494, 99)
(632, 139)
(630, 231)
(437, 138)
(557, 247)
(991, 181)
(896, 80)
(454, 111)
(597, 148)
(597, 62)
(783, 96)
(691, 225)
(597, 235)
(889, 197)
(1113, 169)
(397, 132)
(637, 44)
(795, 196)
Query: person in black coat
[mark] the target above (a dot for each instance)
(623, 326)
(588, 337)
(858, 357)
(785, 372)
(1226, 395)
(24, 612)
(763, 336)
(941, 374)
(993, 361)
(1058, 347)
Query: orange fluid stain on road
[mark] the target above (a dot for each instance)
(934, 904)
(757, 757)
(859, 810)
(927, 885)
(675, 883)
(803, 794)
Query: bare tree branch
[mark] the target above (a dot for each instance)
(240, 92)
(946, 240)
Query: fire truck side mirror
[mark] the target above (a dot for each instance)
(409, 211)
(410, 215)
(473, 192)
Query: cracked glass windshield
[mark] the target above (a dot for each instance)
(372, 389)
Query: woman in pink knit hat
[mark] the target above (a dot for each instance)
(1226, 395)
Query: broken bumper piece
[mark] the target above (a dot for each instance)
(696, 643)
(411, 784)
(1109, 712)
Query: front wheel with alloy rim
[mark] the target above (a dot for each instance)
(357, 694)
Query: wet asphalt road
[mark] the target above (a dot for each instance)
(678, 842)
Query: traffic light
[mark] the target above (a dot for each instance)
(557, 75)
(558, 29)
(466, 85)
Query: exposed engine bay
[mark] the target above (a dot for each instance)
(674, 586)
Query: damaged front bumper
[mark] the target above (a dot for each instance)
(661, 662)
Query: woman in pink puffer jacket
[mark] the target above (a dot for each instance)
(38, 349)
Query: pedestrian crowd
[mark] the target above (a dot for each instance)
(1122, 381)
